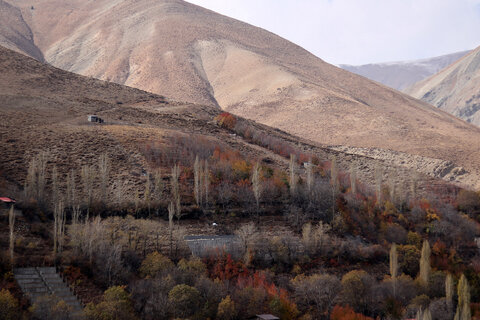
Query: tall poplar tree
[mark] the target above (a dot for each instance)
(425, 267)
(394, 267)
(463, 306)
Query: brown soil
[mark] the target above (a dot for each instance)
(46, 109)
(192, 54)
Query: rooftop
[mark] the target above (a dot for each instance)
(209, 237)
(267, 317)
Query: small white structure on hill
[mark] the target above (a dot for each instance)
(94, 118)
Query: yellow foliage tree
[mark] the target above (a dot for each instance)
(8, 306)
(116, 305)
(226, 309)
(154, 264)
(463, 306)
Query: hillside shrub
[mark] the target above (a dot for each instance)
(346, 313)
(191, 270)
(185, 300)
(150, 297)
(409, 256)
(317, 291)
(469, 202)
(51, 307)
(356, 290)
(116, 305)
(155, 264)
(8, 306)
(226, 120)
(226, 309)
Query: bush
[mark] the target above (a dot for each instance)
(441, 310)
(319, 290)
(284, 308)
(420, 302)
(116, 305)
(406, 289)
(212, 292)
(51, 307)
(226, 309)
(395, 233)
(346, 313)
(414, 239)
(155, 264)
(4, 262)
(40, 230)
(191, 270)
(150, 297)
(356, 289)
(226, 120)
(251, 300)
(178, 149)
(185, 300)
(132, 260)
(8, 306)
(409, 256)
(468, 202)
(195, 266)
(436, 284)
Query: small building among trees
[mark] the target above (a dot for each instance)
(5, 204)
(265, 317)
(6, 201)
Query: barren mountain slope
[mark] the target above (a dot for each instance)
(455, 89)
(44, 108)
(15, 33)
(402, 74)
(192, 54)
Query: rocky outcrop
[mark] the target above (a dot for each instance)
(435, 168)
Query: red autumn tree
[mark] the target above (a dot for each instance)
(346, 313)
(226, 120)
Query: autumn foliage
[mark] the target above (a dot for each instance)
(226, 120)
(279, 300)
(225, 268)
(346, 313)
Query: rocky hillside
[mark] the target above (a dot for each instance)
(191, 54)
(403, 74)
(45, 109)
(455, 89)
(15, 33)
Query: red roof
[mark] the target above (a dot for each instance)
(8, 200)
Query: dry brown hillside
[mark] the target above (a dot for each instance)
(192, 54)
(45, 108)
(455, 89)
(15, 33)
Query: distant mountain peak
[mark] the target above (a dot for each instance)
(455, 89)
(402, 74)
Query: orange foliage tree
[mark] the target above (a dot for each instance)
(346, 313)
(279, 301)
(226, 120)
(225, 268)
